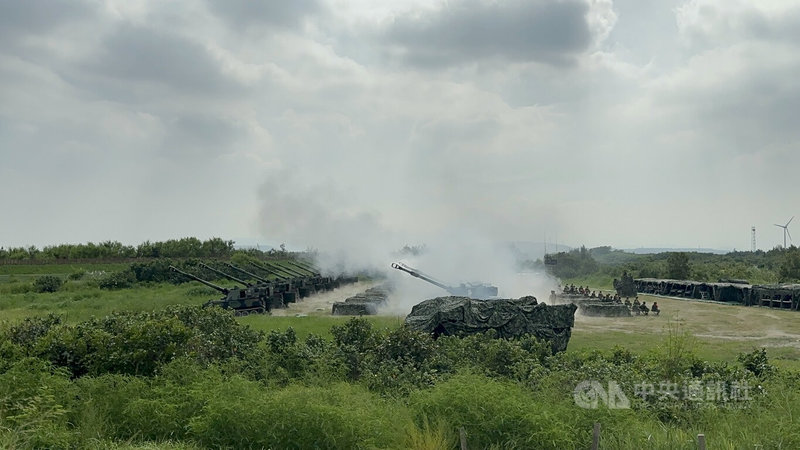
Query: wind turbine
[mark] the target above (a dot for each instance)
(785, 231)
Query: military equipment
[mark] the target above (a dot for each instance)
(720, 292)
(508, 317)
(277, 291)
(784, 296)
(363, 304)
(301, 283)
(320, 282)
(625, 287)
(225, 275)
(471, 290)
(604, 309)
(242, 301)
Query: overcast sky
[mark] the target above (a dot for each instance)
(655, 123)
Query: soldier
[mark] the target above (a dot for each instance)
(627, 302)
(593, 295)
(580, 290)
(636, 302)
(643, 308)
(655, 309)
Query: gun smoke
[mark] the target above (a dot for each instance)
(351, 238)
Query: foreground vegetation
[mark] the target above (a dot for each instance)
(187, 377)
(90, 364)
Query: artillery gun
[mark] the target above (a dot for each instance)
(320, 283)
(292, 282)
(328, 283)
(284, 292)
(481, 291)
(241, 301)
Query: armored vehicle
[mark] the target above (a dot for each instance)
(243, 301)
(472, 290)
(363, 304)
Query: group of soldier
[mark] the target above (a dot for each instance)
(636, 307)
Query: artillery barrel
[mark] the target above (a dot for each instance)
(292, 271)
(249, 274)
(415, 273)
(230, 277)
(311, 272)
(281, 277)
(207, 283)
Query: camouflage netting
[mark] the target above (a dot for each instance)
(354, 309)
(508, 317)
(363, 304)
(603, 309)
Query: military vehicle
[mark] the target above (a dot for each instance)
(625, 287)
(472, 290)
(302, 284)
(241, 301)
(508, 317)
(279, 290)
(604, 309)
(363, 304)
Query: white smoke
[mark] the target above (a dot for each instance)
(350, 238)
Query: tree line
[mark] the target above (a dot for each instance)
(189, 247)
(760, 267)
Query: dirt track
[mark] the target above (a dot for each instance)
(321, 303)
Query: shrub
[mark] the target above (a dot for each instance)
(47, 283)
(496, 413)
(756, 362)
(117, 280)
(77, 275)
(241, 414)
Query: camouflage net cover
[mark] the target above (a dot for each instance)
(601, 309)
(508, 317)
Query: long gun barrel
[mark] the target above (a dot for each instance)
(207, 283)
(249, 274)
(415, 273)
(230, 277)
(289, 270)
(304, 268)
(270, 270)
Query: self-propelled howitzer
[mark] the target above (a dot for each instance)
(300, 284)
(471, 290)
(278, 290)
(242, 301)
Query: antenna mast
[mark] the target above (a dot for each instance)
(753, 245)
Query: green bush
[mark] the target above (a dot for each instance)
(77, 275)
(240, 414)
(117, 280)
(47, 283)
(137, 343)
(498, 413)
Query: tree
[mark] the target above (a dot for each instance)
(790, 266)
(678, 266)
